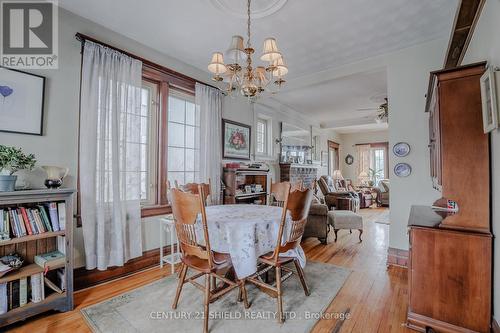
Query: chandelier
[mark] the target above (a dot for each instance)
(250, 81)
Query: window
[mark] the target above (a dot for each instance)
(183, 138)
(377, 163)
(262, 137)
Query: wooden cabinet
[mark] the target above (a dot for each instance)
(237, 182)
(459, 150)
(450, 280)
(450, 262)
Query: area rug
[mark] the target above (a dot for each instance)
(148, 309)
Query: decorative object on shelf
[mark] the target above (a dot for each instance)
(401, 149)
(402, 170)
(21, 102)
(250, 81)
(13, 260)
(489, 95)
(236, 140)
(349, 159)
(55, 175)
(13, 159)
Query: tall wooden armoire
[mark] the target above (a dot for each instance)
(450, 264)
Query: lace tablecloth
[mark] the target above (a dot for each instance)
(245, 232)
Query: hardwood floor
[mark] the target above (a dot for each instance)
(374, 297)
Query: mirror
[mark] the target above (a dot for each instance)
(295, 144)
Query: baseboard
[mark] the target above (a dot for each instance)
(495, 328)
(397, 257)
(84, 278)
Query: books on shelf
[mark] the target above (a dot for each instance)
(37, 288)
(50, 259)
(33, 220)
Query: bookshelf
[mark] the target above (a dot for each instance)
(31, 245)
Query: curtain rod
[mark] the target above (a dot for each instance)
(384, 143)
(82, 38)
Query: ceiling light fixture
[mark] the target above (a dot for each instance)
(250, 81)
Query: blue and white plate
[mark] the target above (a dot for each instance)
(402, 170)
(401, 149)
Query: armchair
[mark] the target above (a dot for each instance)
(317, 222)
(382, 191)
(332, 192)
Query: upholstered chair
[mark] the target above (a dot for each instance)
(332, 191)
(382, 191)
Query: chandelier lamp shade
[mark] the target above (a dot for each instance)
(239, 73)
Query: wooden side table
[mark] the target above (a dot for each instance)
(167, 225)
(344, 203)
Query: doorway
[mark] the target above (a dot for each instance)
(333, 157)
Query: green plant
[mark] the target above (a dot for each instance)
(13, 159)
(374, 174)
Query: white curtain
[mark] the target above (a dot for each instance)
(209, 102)
(110, 156)
(363, 160)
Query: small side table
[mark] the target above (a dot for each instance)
(167, 225)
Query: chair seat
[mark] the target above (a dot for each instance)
(221, 260)
(268, 259)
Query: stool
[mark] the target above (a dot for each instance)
(345, 219)
(167, 225)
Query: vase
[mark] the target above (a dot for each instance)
(7, 183)
(55, 176)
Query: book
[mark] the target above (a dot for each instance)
(61, 208)
(4, 269)
(61, 244)
(52, 286)
(38, 219)
(15, 294)
(4, 225)
(54, 217)
(36, 281)
(45, 218)
(61, 277)
(4, 305)
(33, 224)
(26, 221)
(20, 220)
(50, 259)
(23, 291)
(13, 225)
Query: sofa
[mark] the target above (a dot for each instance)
(317, 222)
(332, 192)
(382, 190)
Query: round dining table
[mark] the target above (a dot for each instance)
(245, 232)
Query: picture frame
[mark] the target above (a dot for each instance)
(349, 159)
(489, 100)
(22, 98)
(236, 140)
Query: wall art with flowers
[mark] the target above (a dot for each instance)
(236, 140)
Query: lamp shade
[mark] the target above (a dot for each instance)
(281, 68)
(337, 175)
(236, 50)
(363, 176)
(217, 66)
(270, 51)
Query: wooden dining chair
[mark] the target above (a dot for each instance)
(186, 207)
(279, 193)
(297, 204)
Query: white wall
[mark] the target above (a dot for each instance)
(59, 144)
(485, 45)
(349, 140)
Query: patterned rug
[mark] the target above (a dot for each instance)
(148, 309)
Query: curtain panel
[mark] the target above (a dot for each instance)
(363, 160)
(110, 156)
(209, 102)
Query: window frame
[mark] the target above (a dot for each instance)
(166, 82)
(268, 147)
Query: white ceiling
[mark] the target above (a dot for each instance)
(313, 35)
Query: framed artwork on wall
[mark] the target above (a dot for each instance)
(21, 102)
(236, 140)
(489, 100)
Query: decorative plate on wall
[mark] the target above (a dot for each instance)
(402, 170)
(401, 149)
(349, 159)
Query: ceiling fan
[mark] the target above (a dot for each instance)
(382, 112)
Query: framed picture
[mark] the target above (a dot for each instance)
(235, 140)
(489, 100)
(21, 102)
(349, 159)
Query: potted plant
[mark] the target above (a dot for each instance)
(13, 159)
(373, 174)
